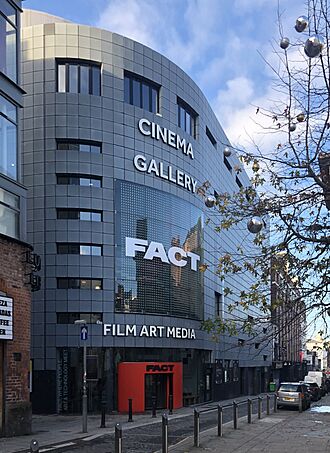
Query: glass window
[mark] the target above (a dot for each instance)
(9, 214)
(71, 317)
(61, 81)
(96, 250)
(141, 92)
(8, 138)
(186, 118)
(85, 215)
(96, 216)
(79, 180)
(8, 41)
(83, 78)
(73, 79)
(85, 250)
(77, 145)
(96, 81)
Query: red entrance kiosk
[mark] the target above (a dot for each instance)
(142, 381)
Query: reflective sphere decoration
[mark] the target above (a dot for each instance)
(292, 127)
(301, 24)
(210, 201)
(300, 117)
(314, 46)
(34, 446)
(255, 225)
(284, 43)
(227, 151)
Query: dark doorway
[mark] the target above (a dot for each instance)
(159, 386)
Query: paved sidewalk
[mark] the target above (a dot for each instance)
(287, 431)
(51, 430)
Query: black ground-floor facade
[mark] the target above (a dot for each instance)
(186, 375)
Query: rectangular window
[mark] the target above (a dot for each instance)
(71, 317)
(79, 283)
(79, 249)
(218, 305)
(78, 145)
(210, 137)
(187, 117)
(79, 180)
(238, 182)
(78, 77)
(9, 214)
(76, 214)
(227, 164)
(8, 138)
(8, 41)
(141, 92)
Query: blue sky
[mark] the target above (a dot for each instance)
(219, 43)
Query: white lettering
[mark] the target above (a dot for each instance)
(144, 131)
(167, 136)
(153, 331)
(173, 251)
(140, 163)
(135, 245)
(153, 167)
(131, 330)
(171, 332)
(156, 250)
(194, 260)
(144, 332)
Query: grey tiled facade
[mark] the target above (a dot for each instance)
(51, 116)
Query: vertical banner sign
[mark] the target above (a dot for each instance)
(6, 318)
(63, 380)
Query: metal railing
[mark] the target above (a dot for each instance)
(197, 415)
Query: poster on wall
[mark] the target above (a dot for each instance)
(6, 318)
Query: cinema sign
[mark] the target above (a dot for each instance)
(6, 318)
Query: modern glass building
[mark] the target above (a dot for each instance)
(117, 141)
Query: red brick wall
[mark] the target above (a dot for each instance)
(13, 282)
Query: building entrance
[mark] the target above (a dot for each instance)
(145, 382)
(158, 387)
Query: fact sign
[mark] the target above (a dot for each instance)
(6, 318)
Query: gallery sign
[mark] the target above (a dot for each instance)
(6, 318)
(132, 330)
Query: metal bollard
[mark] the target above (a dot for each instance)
(300, 403)
(196, 428)
(267, 405)
(220, 421)
(164, 433)
(170, 404)
(249, 410)
(34, 446)
(235, 407)
(103, 409)
(130, 409)
(259, 407)
(275, 402)
(118, 438)
(154, 415)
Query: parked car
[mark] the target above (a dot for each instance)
(314, 390)
(289, 393)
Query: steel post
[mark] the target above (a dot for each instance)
(259, 407)
(268, 405)
(118, 438)
(220, 421)
(196, 428)
(275, 402)
(164, 433)
(130, 409)
(170, 404)
(235, 407)
(249, 410)
(154, 401)
(84, 396)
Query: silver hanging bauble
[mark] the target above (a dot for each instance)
(313, 46)
(227, 151)
(300, 117)
(210, 201)
(255, 225)
(284, 43)
(292, 127)
(301, 24)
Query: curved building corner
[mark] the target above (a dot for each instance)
(117, 140)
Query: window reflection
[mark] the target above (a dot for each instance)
(8, 138)
(8, 41)
(151, 286)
